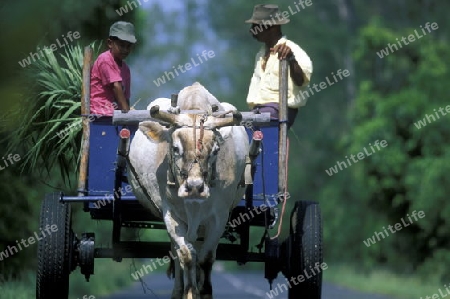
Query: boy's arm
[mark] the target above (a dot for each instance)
(120, 96)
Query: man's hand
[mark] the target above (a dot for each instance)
(120, 96)
(283, 51)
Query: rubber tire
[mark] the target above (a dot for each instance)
(306, 250)
(54, 250)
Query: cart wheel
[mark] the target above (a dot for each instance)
(54, 250)
(306, 251)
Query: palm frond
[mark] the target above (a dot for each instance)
(49, 133)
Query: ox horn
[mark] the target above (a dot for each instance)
(181, 120)
(170, 118)
(218, 122)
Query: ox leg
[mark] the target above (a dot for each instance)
(207, 255)
(177, 272)
(205, 268)
(188, 262)
(187, 257)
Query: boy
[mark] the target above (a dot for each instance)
(110, 75)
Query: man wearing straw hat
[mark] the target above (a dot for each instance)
(263, 94)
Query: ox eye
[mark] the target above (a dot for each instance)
(176, 150)
(183, 174)
(216, 150)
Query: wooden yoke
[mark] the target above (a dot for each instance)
(173, 100)
(85, 110)
(282, 131)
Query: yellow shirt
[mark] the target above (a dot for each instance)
(264, 85)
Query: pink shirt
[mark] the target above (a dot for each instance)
(106, 71)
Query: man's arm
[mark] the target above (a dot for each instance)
(296, 71)
(120, 96)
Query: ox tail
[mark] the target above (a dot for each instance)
(171, 269)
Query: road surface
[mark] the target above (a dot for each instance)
(245, 285)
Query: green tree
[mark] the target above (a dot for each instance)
(410, 173)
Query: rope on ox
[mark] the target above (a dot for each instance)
(199, 142)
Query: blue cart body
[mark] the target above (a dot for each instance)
(104, 139)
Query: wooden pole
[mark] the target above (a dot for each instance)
(282, 129)
(85, 110)
(173, 100)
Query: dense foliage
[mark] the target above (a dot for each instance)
(39, 100)
(50, 123)
(405, 105)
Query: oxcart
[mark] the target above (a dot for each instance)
(105, 194)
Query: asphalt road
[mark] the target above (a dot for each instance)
(245, 285)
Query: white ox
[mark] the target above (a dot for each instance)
(191, 178)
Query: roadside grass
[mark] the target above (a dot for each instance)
(377, 281)
(109, 277)
(22, 288)
(381, 282)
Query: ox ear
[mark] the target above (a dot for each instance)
(153, 130)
